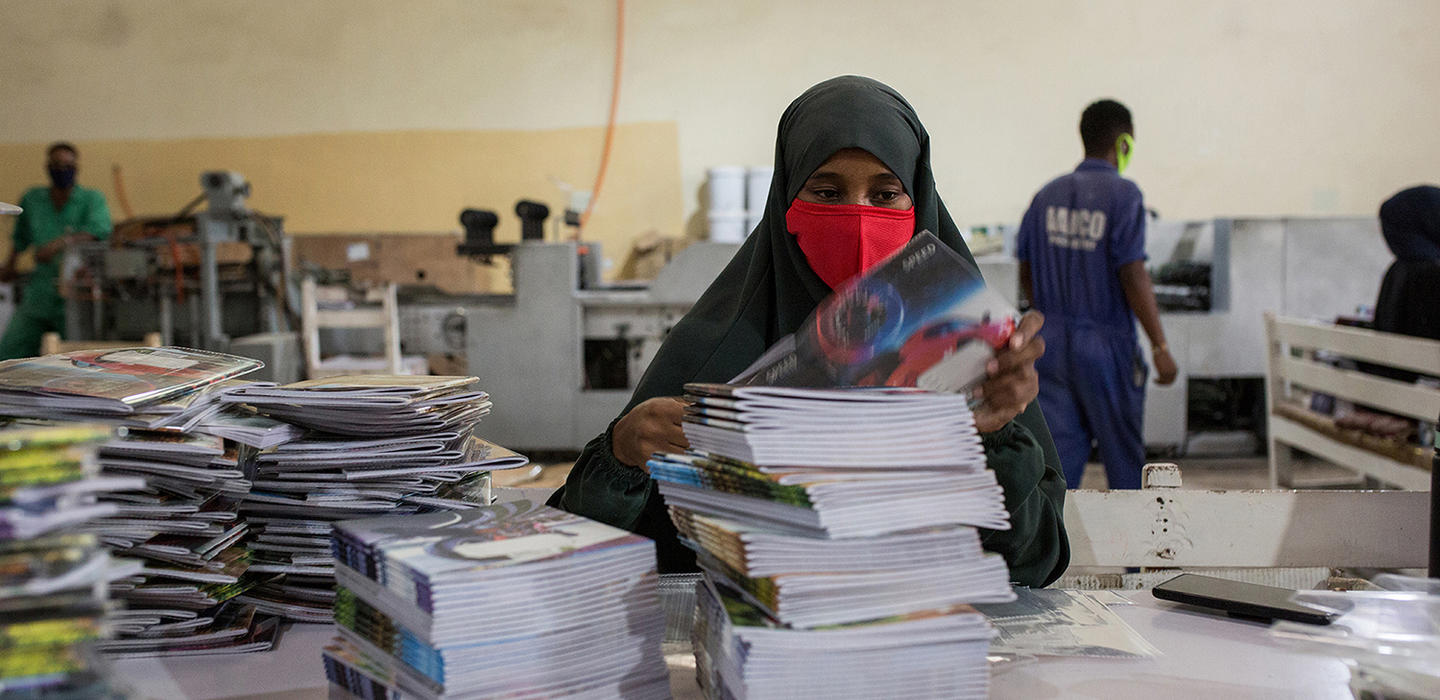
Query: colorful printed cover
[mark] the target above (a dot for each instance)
(922, 318)
(119, 379)
(436, 544)
(727, 475)
(742, 614)
(20, 434)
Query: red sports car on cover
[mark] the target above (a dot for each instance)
(930, 345)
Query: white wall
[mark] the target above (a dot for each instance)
(1242, 107)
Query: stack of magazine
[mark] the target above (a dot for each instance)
(52, 576)
(512, 600)
(377, 444)
(184, 524)
(836, 531)
(178, 515)
(184, 413)
(122, 382)
(836, 527)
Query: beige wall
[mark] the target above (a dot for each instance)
(391, 181)
(1242, 107)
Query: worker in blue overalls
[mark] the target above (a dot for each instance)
(1082, 262)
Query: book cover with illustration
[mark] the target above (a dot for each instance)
(921, 318)
(726, 475)
(502, 535)
(115, 381)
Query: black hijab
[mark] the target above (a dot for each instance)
(1409, 300)
(1410, 221)
(768, 289)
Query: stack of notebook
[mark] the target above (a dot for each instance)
(513, 600)
(377, 445)
(184, 524)
(125, 383)
(52, 576)
(837, 532)
(178, 517)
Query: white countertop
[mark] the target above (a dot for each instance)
(1203, 656)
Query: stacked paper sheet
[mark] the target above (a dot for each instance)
(116, 382)
(836, 530)
(742, 653)
(513, 600)
(178, 515)
(377, 445)
(373, 405)
(184, 525)
(52, 577)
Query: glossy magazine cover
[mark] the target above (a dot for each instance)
(922, 318)
(509, 534)
(128, 376)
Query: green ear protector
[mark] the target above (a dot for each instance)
(1124, 148)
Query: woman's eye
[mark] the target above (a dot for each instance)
(826, 193)
(887, 196)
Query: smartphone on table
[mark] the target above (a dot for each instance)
(1249, 601)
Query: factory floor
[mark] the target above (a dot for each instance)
(1249, 472)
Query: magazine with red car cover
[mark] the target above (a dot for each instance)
(921, 318)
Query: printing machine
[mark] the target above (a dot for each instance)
(138, 282)
(561, 355)
(1215, 279)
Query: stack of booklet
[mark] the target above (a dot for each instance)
(836, 531)
(52, 576)
(513, 600)
(184, 524)
(178, 513)
(378, 444)
(124, 382)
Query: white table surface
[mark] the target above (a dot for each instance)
(1203, 656)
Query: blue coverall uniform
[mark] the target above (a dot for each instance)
(1080, 229)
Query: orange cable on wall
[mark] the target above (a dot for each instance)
(610, 123)
(119, 179)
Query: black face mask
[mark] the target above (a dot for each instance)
(62, 178)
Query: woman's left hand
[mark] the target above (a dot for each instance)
(1013, 382)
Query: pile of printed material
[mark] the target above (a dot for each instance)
(836, 531)
(514, 600)
(179, 516)
(53, 577)
(184, 523)
(377, 444)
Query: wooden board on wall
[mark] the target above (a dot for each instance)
(403, 258)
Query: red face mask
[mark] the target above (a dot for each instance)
(844, 240)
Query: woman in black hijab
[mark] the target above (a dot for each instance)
(847, 142)
(1409, 301)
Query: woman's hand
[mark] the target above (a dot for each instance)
(652, 426)
(1013, 382)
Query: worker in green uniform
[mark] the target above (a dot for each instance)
(853, 156)
(54, 218)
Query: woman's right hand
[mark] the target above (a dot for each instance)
(652, 426)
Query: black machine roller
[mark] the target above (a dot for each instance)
(480, 225)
